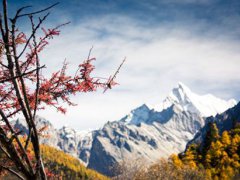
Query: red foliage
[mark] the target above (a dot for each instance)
(24, 88)
(58, 87)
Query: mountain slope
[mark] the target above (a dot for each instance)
(147, 133)
(65, 166)
(216, 147)
(117, 141)
(58, 165)
(224, 122)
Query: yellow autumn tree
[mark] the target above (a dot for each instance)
(219, 154)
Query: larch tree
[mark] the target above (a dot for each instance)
(25, 90)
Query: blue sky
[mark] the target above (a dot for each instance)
(196, 42)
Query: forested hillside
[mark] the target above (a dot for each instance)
(58, 165)
(219, 155)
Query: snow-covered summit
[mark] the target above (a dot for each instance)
(205, 105)
(182, 98)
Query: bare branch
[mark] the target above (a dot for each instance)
(12, 171)
(16, 137)
(29, 119)
(37, 67)
(37, 84)
(13, 113)
(114, 76)
(19, 11)
(5, 16)
(21, 75)
(12, 151)
(33, 32)
(10, 62)
(5, 152)
(37, 12)
(3, 65)
(1, 27)
(90, 51)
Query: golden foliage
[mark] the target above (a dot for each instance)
(58, 165)
(66, 166)
(219, 155)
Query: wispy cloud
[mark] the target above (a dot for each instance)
(157, 58)
(193, 41)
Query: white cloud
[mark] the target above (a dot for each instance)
(157, 58)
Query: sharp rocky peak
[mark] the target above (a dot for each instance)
(182, 98)
(205, 105)
(181, 94)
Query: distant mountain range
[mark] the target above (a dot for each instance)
(146, 133)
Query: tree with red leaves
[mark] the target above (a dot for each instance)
(24, 89)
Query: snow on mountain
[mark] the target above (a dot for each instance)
(152, 133)
(138, 115)
(184, 99)
(206, 105)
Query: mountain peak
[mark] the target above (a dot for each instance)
(183, 87)
(181, 94)
(184, 100)
(138, 115)
(205, 105)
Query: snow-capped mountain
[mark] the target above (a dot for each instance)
(205, 105)
(146, 133)
(151, 133)
(184, 99)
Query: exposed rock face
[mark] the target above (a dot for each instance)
(150, 133)
(118, 141)
(49, 135)
(224, 121)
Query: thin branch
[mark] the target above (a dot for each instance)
(33, 32)
(6, 96)
(37, 67)
(3, 65)
(19, 11)
(13, 113)
(114, 76)
(5, 152)
(43, 39)
(17, 139)
(37, 12)
(90, 51)
(12, 171)
(28, 139)
(30, 120)
(13, 152)
(89, 54)
(10, 61)
(21, 75)
(1, 26)
(37, 83)
(5, 16)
